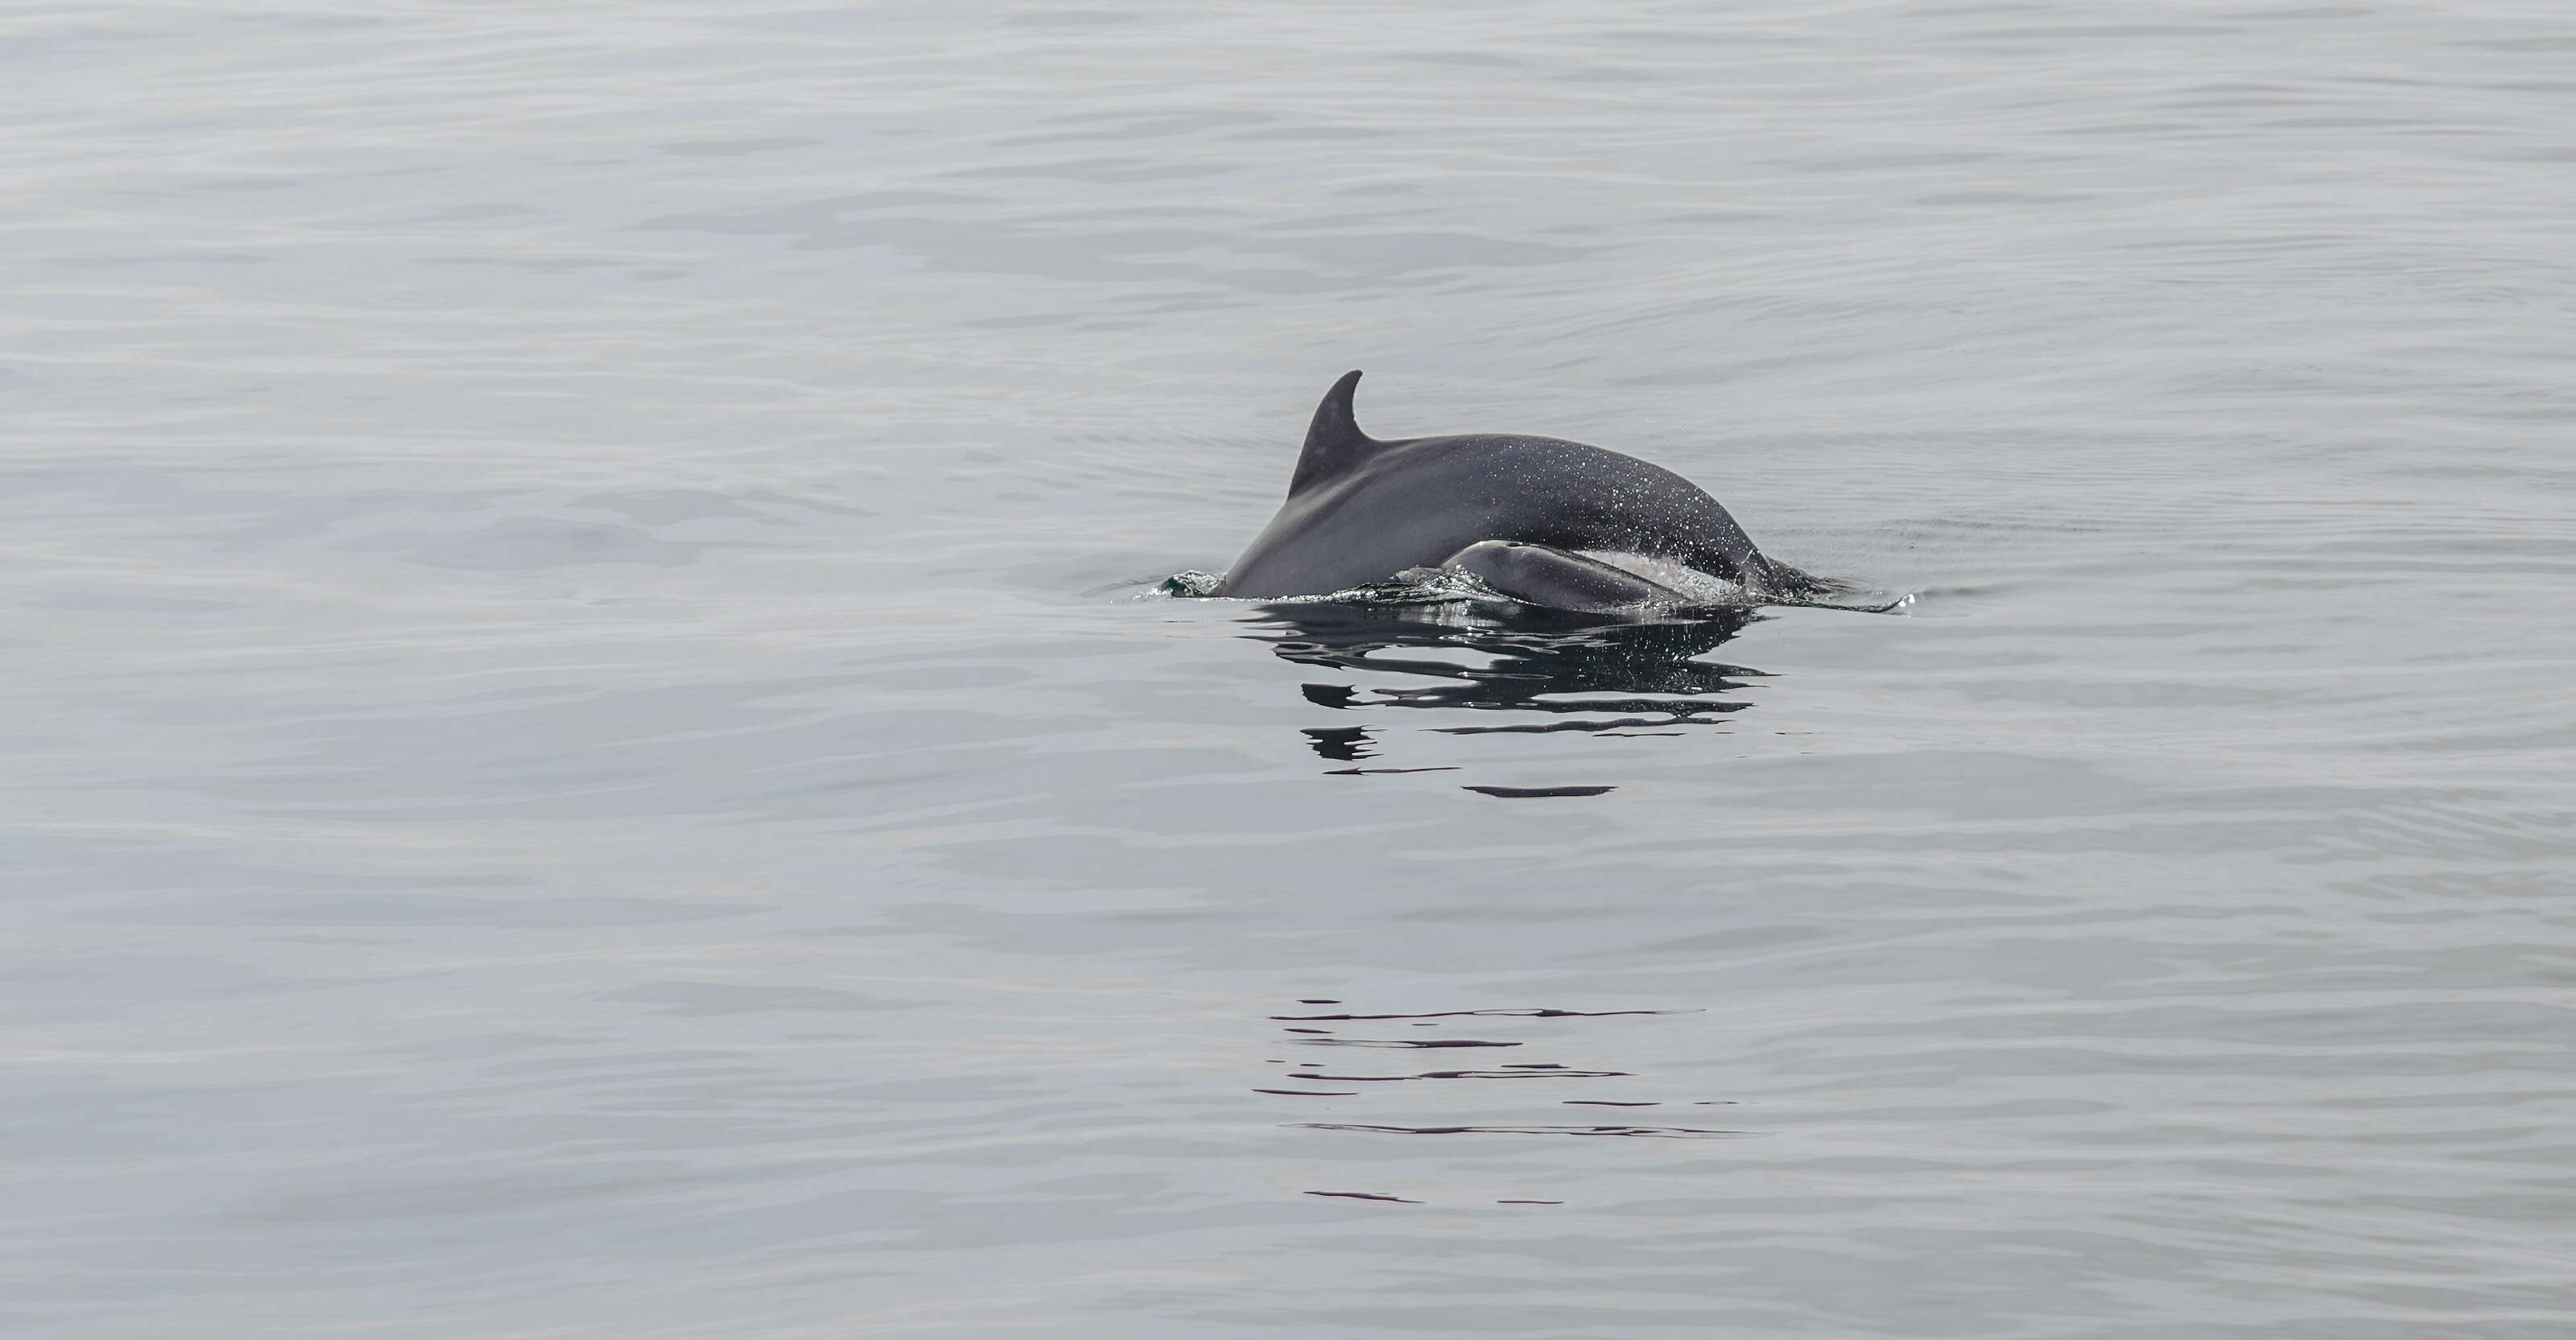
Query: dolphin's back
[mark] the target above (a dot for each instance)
(1414, 503)
(1360, 510)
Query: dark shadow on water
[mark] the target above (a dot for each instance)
(1342, 744)
(1581, 673)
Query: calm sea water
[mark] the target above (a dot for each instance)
(591, 751)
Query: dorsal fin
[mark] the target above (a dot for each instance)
(1334, 442)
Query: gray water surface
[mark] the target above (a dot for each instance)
(591, 749)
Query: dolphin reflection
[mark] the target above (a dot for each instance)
(1588, 672)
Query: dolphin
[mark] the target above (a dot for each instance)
(1516, 512)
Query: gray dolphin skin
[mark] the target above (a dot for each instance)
(1508, 508)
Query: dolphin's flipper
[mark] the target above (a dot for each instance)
(1334, 442)
(1559, 579)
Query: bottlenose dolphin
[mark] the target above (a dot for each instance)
(1513, 511)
